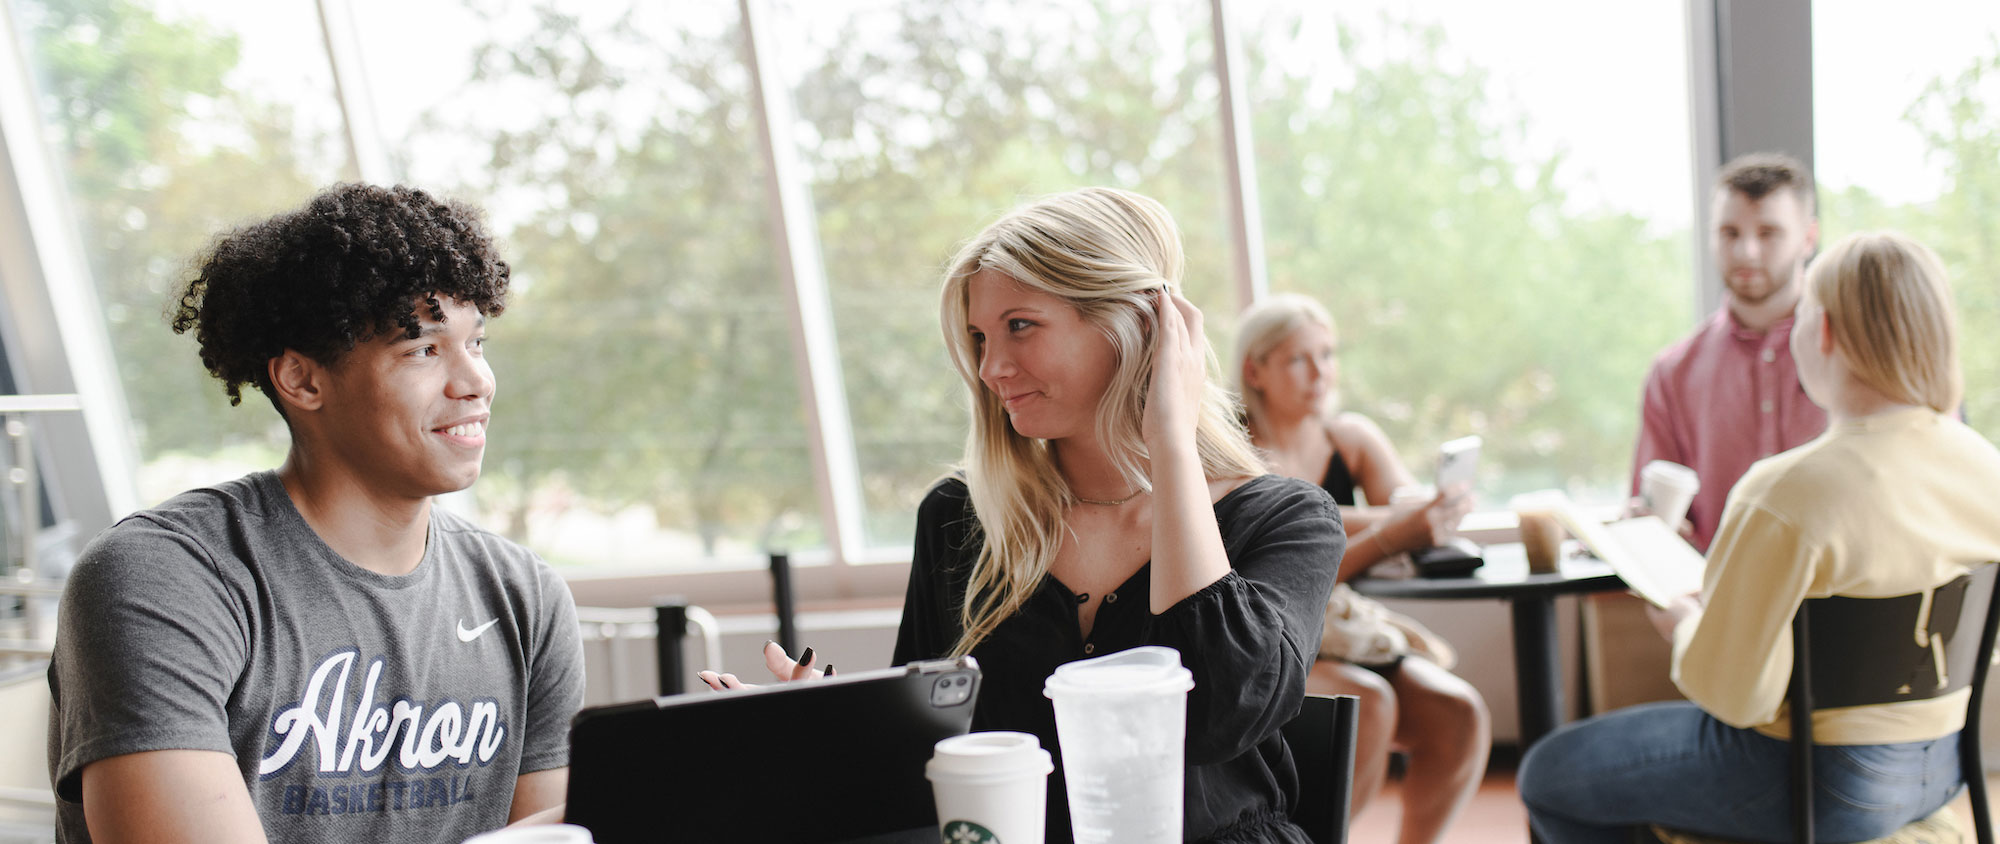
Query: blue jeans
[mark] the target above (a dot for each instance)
(1675, 765)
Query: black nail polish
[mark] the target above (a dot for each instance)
(829, 670)
(806, 657)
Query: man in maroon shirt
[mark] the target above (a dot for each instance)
(1727, 395)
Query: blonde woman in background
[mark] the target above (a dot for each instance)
(1288, 375)
(1108, 499)
(1897, 497)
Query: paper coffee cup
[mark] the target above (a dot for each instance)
(1666, 489)
(990, 787)
(561, 833)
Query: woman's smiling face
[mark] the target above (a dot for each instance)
(1048, 366)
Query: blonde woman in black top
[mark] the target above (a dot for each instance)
(1287, 368)
(1108, 499)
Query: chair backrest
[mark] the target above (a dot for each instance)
(1321, 737)
(1941, 641)
(1855, 664)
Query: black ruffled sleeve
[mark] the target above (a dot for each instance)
(1250, 637)
(930, 623)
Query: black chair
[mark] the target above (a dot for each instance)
(1322, 740)
(1841, 657)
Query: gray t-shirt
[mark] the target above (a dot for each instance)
(359, 707)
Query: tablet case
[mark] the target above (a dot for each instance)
(820, 761)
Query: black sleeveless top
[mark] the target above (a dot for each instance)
(1338, 482)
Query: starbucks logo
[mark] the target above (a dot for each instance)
(967, 832)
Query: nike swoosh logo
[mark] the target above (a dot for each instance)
(465, 635)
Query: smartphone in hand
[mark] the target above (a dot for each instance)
(1458, 462)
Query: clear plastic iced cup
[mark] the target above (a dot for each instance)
(1667, 489)
(991, 786)
(1541, 528)
(561, 833)
(1122, 719)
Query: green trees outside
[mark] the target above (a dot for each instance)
(161, 153)
(1958, 116)
(1472, 296)
(647, 359)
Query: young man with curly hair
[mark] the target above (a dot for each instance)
(316, 653)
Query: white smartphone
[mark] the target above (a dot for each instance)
(1458, 462)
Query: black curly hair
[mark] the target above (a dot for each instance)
(348, 267)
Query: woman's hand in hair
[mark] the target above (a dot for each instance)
(1180, 355)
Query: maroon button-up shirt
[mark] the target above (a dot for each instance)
(1719, 400)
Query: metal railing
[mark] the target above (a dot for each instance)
(623, 629)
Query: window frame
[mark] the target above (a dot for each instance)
(1750, 81)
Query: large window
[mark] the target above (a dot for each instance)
(1909, 139)
(172, 123)
(648, 410)
(1494, 203)
(921, 122)
(1494, 206)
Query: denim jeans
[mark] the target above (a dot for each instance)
(1675, 765)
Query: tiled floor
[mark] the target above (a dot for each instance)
(1496, 815)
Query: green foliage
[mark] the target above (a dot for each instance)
(1471, 296)
(1959, 119)
(647, 357)
(161, 153)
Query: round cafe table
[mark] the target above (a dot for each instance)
(1537, 671)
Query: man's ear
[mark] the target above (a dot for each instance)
(299, 381)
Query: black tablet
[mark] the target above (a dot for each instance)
(820, 761)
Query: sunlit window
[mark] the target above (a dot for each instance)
(1909, 139)
(648, 411)
(172, 122)
(921, 122)
(1494, 206)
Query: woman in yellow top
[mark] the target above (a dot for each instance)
(1896, 497)
(1288, 374)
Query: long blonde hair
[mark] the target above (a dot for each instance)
(1889, 306)
(1103, 251)
(1265, 326)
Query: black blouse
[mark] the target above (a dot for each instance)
(1248, 638)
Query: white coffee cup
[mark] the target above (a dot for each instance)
(561, 833)
(1122, 720)
(1666, 489)
(991, 786)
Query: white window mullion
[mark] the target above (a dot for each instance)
(803, 271)
(1239, 165)
(350, 89)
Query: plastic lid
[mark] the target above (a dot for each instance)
(551, 834)
(1148, 670)
(997, 755)
(1672, 473)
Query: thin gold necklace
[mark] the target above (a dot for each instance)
(1135, 494)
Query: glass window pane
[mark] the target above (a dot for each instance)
(1910, 140)
(921, 122)
(649, 412)
(172, 122)
(1493, 202)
